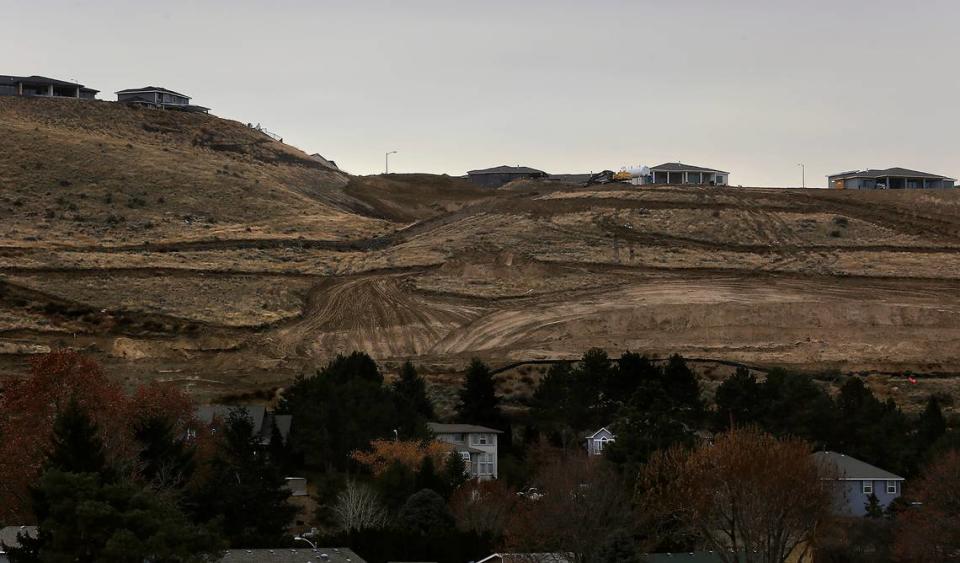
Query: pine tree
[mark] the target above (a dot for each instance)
(166, 460)
(931, 425)
(682, 386)
(427, 477)
(454, 473)
(411, 389)
(872, 507)
(77, 446)
(244, 489)
(478, 398)
(738, 400)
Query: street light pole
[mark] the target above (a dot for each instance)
(386, 161)
(803, 175)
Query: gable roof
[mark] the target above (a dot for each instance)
(292, 555)
(604, 429)
(852, 469)
(151, 89)
(693, 557)
(896, 172)
(263, 421)
(507, 170)
(439, 428)
(680, 167)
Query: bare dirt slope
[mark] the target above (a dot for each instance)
(190, 248)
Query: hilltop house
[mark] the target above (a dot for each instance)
(597, 441)
(477, 445)
(263, 420)
(857, 481)
(889, 178)
(44, 87)
(676, 173)
(500, 175)
(156, 97)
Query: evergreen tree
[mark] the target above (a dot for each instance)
(931, 424)
(244, 490)
(414, 408)
(426, 513)
(650, 421)
(683, 387)
(454, 473)
(738, 400)
(166, 460)
(347, 395)
(872, 507)
(478, 398)
(396, 484)
(794, 405)
(77, 447)
(427, 477)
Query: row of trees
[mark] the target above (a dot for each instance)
(111, 476)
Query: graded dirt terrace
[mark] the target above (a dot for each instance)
(193, 249)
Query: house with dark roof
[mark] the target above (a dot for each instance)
(500, 175)
(856, 482)
(10, 538)
(888, 179)
(157, 97)
(263, 420)
(44, 87)
(677, 173)
(477, 445)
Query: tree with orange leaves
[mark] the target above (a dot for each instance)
(28, 409)
(410, 453)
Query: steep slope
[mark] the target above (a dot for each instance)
(260, 264)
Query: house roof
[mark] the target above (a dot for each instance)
(297, 555)
(895, 172)
(507, 170)
(438, 428)
(151, 89)
(852, 469)
(680, 167)
(9, 80)
(263, 421)
(604, 429)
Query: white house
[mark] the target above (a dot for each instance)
(597, 441)
(477, 445)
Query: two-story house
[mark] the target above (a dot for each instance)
(154, 96)
(857, 480)
(477, 445)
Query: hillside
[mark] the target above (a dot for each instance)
(194, 249)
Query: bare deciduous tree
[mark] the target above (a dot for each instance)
(750, 497)
(931, 531)
(358, 507)
(584, 506)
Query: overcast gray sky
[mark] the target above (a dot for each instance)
(749, 86)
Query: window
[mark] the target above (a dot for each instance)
(867, 487)
(459, 438)
(891, 487)
(480, 439)
(485, 465)
(601, 443)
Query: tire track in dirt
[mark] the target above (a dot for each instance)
(376, 314)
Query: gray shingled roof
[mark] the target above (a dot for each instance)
(694, 557)
(8, 535)
(8, 79)
(895, 172)
(263, 421)
(507, 170)
(438, 428)
(151, 89)
(680, 167)
(298, 555)
(852, 469)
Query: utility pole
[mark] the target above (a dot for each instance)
(386, 161)
(803, 175)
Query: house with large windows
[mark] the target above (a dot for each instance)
(857, 481)
(888, 179)
(477, 445)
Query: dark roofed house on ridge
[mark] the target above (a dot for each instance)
(41, 86)
(889, 178)
(500, 175)
(263, 420)
(157, 97)
(677, 173)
